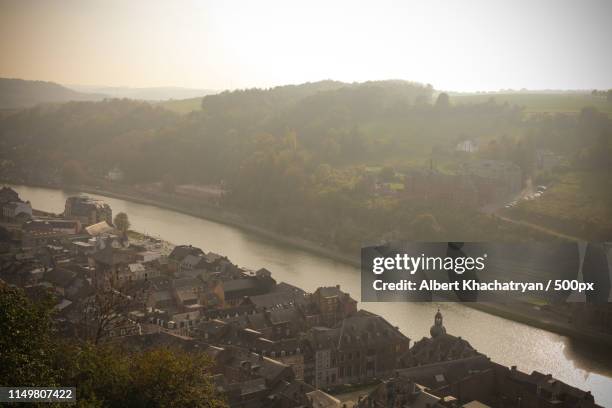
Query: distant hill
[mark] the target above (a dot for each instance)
(145, 94)
(19, 93)
(286, 94)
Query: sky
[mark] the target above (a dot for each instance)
(467, 45)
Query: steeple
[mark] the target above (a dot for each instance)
(438, 328)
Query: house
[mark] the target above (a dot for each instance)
(479, 382)
(367, 347)
(11, 205)
(320, 367)
(283, 294)
(110, 262)
(136, 271)
(274, 324)
(122, 327)
(321, 399)
(333, 304)
(12, 209)
(179, 253)
(403, 392)
(361, 347)
(467, 146)
(115, 174)
(288, 352)
(187, 291)
(239, 365)
(87, 210)
(37, 233)
(64, 226)
(235, 290)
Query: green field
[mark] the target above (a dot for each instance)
(577, 203)
(531, 102)
(540, 102)
(182, 106)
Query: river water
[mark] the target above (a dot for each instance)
(504, 341)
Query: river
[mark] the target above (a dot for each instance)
(504, 341)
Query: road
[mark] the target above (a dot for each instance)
(528, 191)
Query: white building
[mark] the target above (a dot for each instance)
(115, 174)
(468, 146)
(14, 208)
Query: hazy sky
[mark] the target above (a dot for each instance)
(454, 45)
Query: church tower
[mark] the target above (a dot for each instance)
(438, 328)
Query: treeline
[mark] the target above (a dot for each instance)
(603, 93)
(34, 355)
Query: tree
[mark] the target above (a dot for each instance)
(425, 227)
(25, 339)
(171, 378)
(104, 375)
(106, 308)
(122, 223)
(168, 184)
(443, 100)
(73, 173)
(109, 376)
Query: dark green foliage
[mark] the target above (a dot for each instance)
(122, 223)
(105, 376)
(164, 377)
(25, 339)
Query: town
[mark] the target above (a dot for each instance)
(272, 344)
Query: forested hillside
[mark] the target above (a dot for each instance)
(306, 157)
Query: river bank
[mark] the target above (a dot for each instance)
(223, 216)
(525, 314)
(235, 220)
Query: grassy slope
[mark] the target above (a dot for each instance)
(578, 202)
(541, 102)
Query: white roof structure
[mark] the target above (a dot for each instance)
(100, 228)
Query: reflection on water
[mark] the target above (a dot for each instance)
(506, 342)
